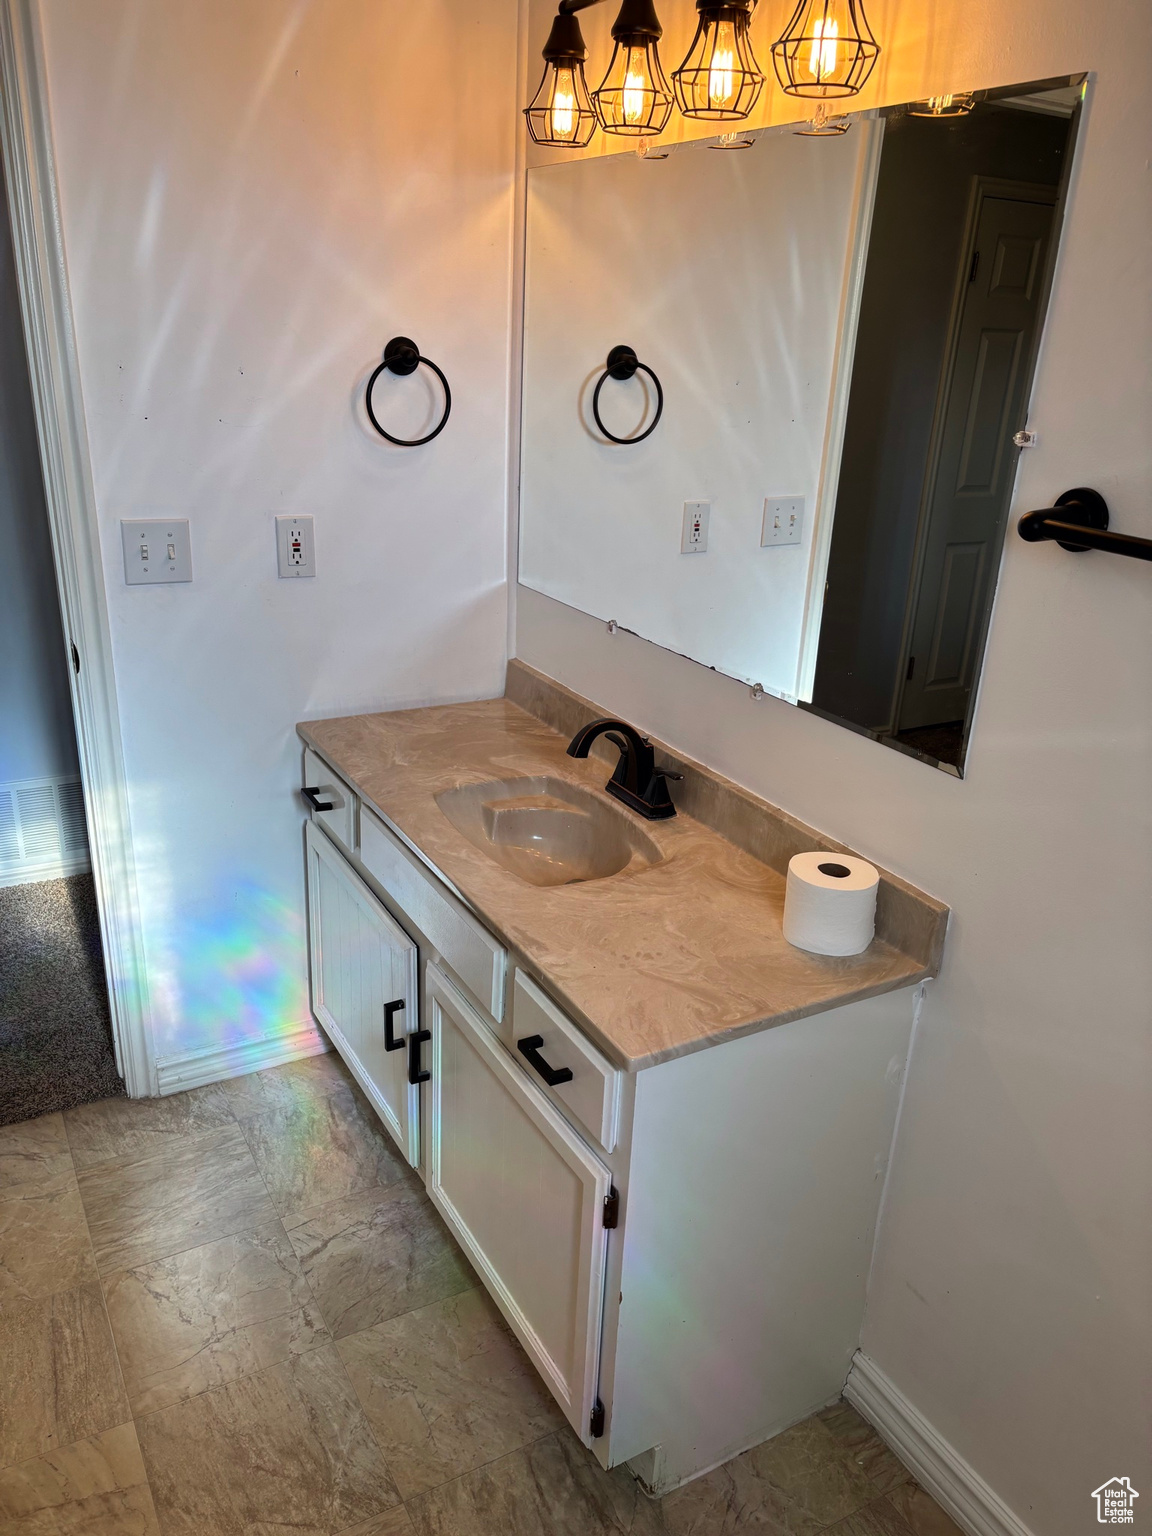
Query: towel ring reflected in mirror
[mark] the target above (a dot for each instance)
(402, 357)
(624, 364)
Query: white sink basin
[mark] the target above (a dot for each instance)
(547, 831)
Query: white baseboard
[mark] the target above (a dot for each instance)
(175, 1074)
(47, 869)
(936, 1465)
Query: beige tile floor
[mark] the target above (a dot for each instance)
(235, 1313)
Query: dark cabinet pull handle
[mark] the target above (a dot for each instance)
(415, 1072)
(311, 793)
(390, 1041)
(529, 1048)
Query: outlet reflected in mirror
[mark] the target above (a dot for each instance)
(845, 328)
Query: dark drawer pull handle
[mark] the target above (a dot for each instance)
(390, 1011)
(415, 1040)
(311, 793)
(529, 1048)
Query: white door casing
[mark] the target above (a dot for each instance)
(522, 1193)
(54, 375)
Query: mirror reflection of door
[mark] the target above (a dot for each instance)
(959, 257)
(972, 459)
(867, 358)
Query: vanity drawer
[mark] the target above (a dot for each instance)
(592, 1094)
(340, 820)
(465, 946)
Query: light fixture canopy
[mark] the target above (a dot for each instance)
(561, 114)
(955, 105)
(720, 78)
(634, 98)
(827, 49)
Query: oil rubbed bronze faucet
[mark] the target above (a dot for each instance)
(637, 782)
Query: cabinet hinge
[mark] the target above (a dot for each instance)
(596, 1422)
(612, 1207)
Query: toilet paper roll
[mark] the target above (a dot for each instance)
(830, 903)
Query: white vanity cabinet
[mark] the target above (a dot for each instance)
(681, 1250)
(524, 1195)
(365, 990)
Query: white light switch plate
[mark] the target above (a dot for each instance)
(783, 520)
(295, 547)
(156, 551)
(694, 532)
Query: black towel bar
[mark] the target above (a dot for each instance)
(624, 364)
(402, 357)
(1079, 522)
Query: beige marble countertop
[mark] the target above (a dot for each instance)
(654, 963)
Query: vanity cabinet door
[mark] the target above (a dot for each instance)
(523, 1195)
(364, 987)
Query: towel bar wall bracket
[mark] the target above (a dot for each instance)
(1079, 522)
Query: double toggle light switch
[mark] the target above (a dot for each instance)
(156, 552)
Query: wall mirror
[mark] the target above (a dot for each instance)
(817, 351)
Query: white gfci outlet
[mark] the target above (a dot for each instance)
(295, 547)
(783, 520)
(694, 533)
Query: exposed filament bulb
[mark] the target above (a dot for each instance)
(825, 35)
(632, 97)
(721, 85)
(564, 115)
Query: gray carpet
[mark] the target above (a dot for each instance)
(55, 1032)
(943, 742)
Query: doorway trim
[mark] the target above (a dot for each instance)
(840, 389)
(54, 374)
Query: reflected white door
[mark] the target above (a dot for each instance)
(984, 400)
(524, 1196)
(364, 986)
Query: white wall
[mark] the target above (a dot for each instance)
(1010, 1292)
(255, 198)
(37, 737)
(736, 308)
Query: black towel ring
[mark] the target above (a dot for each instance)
(402, 357)
(622, 364)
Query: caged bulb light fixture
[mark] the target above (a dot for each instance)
(719, 78)
(633, 98)
(826, 50)
(561, 113)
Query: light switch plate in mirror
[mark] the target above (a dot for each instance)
(856, 317)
